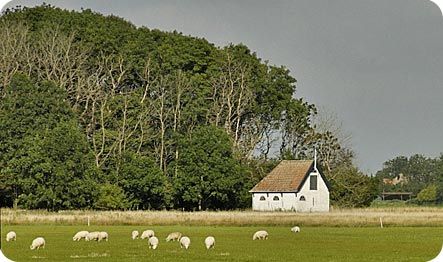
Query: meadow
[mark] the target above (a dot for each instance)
(232, 244)
(408, 234)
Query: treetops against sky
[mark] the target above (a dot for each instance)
(156, 119)
(376, 64)
(138, 100)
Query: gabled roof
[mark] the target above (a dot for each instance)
(287, 176)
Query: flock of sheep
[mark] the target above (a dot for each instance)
(185, 241)
(153, 241)
(89, 236)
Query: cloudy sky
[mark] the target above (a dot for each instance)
(376, 64)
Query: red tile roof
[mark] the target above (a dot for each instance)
(285, 177)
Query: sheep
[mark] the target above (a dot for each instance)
(174, 236)
(147, 234)
(260, 235)
(80, 235)
(37, 243)
(102, 236)
(209, 242)
(295, 229)
(185, 242)
(92, 236)
(134, 234)
(11, 236)
(153, 242)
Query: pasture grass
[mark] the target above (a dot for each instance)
(233, 243)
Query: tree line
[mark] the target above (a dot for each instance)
(98, 113)
(424, 177)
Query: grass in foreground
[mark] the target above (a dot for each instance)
(232, 244)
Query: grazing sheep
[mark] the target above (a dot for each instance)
(153, 242)
(80, 235)
(37, 243)
(209, 242)
(92, 236)
(260, 235)
(134, 234)
(147, 234)
(295, 229)
(174, 236)
(102, 236)
(11, 236)
(185, 242)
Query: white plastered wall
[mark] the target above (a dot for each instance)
(316, 200)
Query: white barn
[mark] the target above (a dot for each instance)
(293, 185)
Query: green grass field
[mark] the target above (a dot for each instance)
(232, 244)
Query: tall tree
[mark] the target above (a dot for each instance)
(44, 151)
(143, 182)
(139, 92)
(208, 174)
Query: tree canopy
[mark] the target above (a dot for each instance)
(98, 113)
(45, 156)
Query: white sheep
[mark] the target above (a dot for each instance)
(185, 242)
(295, 229)
(209, 242)
(11, 236)
(134, 234)
(37, 243)
(79, 235)
(153, 242)
(103, 236)
(174, 236)
(92, 236)
(147, 234)
(260, 235)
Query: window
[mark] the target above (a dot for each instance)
(276, 198)
(313, 182)
(302, 198)
(262, 198)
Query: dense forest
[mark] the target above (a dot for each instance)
(98, 113)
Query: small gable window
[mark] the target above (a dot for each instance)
(313, 183)
(276, 198)
(302, 198)
(262, 198)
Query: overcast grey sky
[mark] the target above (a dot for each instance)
(377, 64)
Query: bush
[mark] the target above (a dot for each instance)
(111, 197)
(351, 188)
(428, 194)
(143, 182)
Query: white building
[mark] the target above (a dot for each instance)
(293, 185)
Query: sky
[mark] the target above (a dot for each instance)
(375, 64)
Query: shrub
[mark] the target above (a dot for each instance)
(428, 194)
(111, 197)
